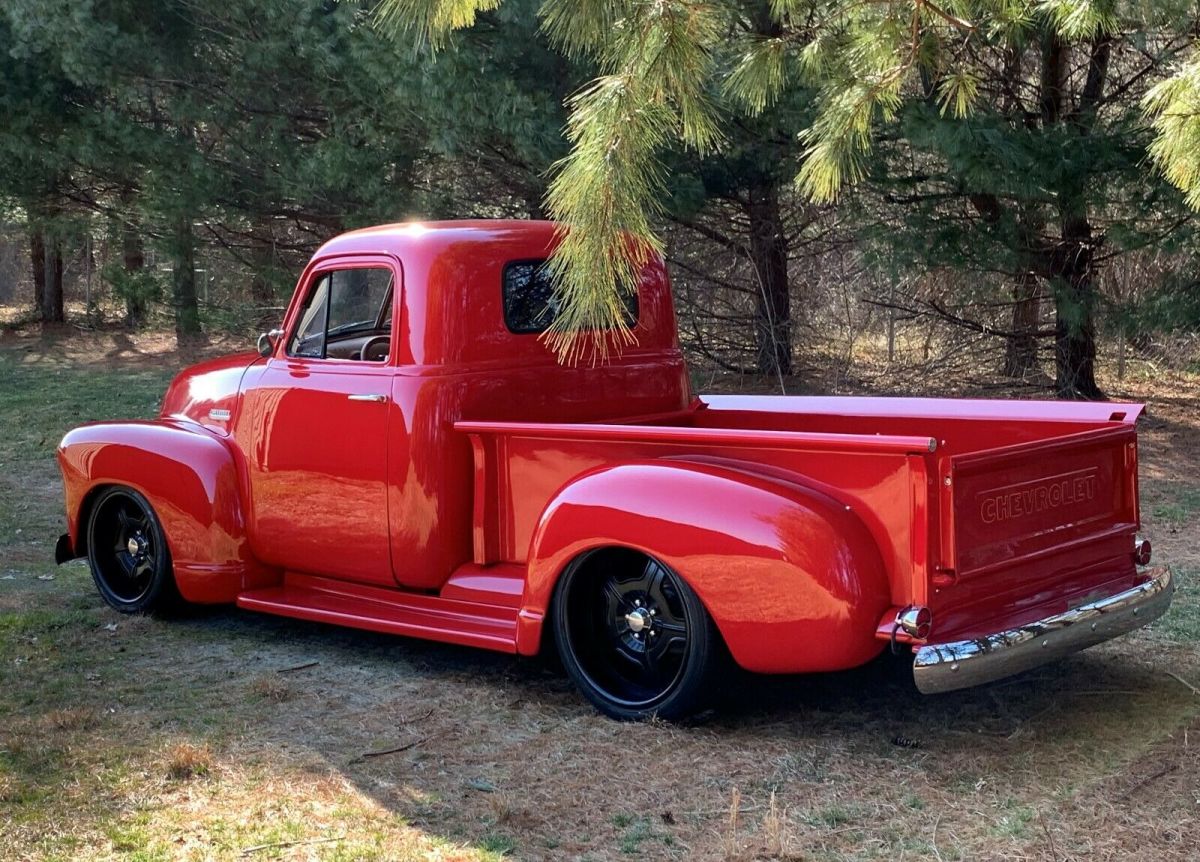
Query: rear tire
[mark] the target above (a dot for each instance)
(128, 555)
(634, 637)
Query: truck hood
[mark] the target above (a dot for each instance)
(207, 393)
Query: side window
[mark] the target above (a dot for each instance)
(530, 305)
(309, 339)
(343, 313)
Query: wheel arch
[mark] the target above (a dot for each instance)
(78, 539)
(791, 578)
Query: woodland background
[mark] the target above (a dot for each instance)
(172, 164)
(166, 166)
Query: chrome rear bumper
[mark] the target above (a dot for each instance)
(961, 664)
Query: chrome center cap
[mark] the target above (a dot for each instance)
(136, 545)
(638, 620)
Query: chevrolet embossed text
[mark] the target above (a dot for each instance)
(1017, 501)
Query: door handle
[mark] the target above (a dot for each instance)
(367, 397)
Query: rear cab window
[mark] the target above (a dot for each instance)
(530, 304)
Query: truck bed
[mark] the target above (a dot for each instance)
(987, 512)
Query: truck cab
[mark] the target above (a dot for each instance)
(347, 426)
(407, 455)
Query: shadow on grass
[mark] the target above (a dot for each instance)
(867, 703)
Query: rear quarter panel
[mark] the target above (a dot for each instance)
(791, 577)
(889, 490)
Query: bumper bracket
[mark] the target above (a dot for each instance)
(63, 550)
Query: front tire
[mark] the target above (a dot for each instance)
(128, 555)
(634, 637)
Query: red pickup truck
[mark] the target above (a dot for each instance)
(406, 455)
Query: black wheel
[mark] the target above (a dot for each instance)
(634, 636)
(128, 554)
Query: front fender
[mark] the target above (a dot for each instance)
(190, 476)
(791, 577)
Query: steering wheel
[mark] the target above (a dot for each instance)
(375, 349)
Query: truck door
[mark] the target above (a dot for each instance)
(317, 430)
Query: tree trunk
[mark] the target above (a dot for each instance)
(769, 247)
(772, 310)
(37, 259)
(1075, 294)
(1020, 353)
(183, 280)
(1074, 319)
(133, 259)
(262, 258)
(51, 310)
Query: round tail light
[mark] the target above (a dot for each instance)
(1141, 552)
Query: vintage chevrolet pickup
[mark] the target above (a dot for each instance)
(406, 455)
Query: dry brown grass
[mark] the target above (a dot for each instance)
(185, 760)
(772, 828)
(272, 688)
(70, 718)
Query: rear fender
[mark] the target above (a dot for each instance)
(791, 577)
(190, 478)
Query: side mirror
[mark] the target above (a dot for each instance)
(266, 342)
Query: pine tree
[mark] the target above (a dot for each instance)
(259, 126)
(45, 115)
(1042, 181)
(1174, 109)
(655, 61)
(661, 84)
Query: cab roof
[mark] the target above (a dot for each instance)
(404, 239)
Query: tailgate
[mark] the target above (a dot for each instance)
(1018, 504)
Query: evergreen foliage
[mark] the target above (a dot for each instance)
(1035, 141)
(669, 71)
(262, 128)
(1174, 108)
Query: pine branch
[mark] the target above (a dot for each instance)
(657, 60)
(933, 309)
(1173, 107)
(432, 21)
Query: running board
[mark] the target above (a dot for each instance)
(379, 609)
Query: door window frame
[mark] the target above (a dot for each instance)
(311, 278)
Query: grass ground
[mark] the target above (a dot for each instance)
(226, 735)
